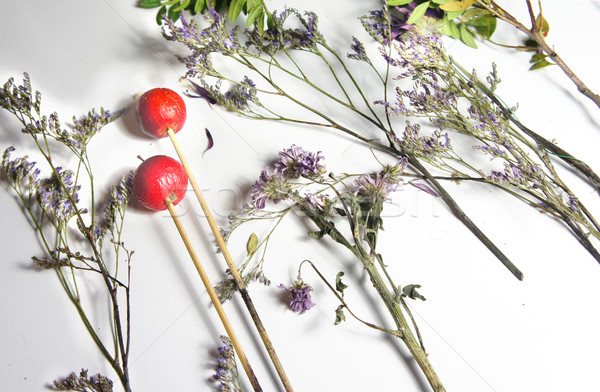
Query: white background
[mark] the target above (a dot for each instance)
(483, 329)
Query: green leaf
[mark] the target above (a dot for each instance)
(199, 6)
(467, 37)
(450, 28)
(410, 291)
(542, 24)
(484, 26)
(454, 14)
(457, 5)
(339, 285)
(540, 64)
(317, 235)
(440, 1)
(160, 14)
(235, 8)
(539, 56)
(418, 13)
(252, 244)
(181, 6)
(394, 3)
(482, 20)
(172, 13)
(257, 12)
(149, 3)
(339, 315)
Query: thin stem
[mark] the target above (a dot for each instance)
(343, 302)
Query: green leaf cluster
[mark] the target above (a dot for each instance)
(253, 9)
(461, 19)
(464, 25)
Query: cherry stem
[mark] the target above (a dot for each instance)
(214, 298)
(232, 268)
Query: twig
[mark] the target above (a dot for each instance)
(535, 33)
(214, 298)
(232, 268)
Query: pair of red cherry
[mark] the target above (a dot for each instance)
(160, 110)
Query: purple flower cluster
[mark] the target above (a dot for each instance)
(277, 37)
(294, 162)
(57, 195)
(423, 145)
(376, 23)
(226, 375)
(299, 296)
(377, 186)
(241, 93)
(274, 185)
(359, 51)
(118, 199)
(83, 129)
(19, 169)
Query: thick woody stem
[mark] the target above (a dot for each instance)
(535, 34)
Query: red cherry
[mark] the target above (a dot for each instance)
(156, 179)
(161, 109)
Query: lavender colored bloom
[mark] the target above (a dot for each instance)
(359, 51)
(269, 186)
(316, 202)
(295, 162)
(374, 185)
(226, 375)
(241, 94)
(377, 25)
(18, 169)
(379, 185)
(118, 199)
(58, 195)
(299, 296)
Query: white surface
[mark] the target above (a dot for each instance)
(484, 330)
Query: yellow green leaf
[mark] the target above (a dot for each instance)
(252, 244)
(467, 37)
(418, 13)
(457, 5)
(542, 24)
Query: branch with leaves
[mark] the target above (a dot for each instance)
(467, 19)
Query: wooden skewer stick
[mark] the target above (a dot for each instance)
(215, 300)
(232, 268)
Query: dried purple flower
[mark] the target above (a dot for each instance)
(299, 296)
(226, 376)
(377, 186)
(18, 169)
(58, 195)
(296, 162)
(359, 51)
(270, 186)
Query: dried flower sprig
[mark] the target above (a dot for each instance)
(355, 207)
(53, 208)
(227, 376)
(435, 86)
(83, 383)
